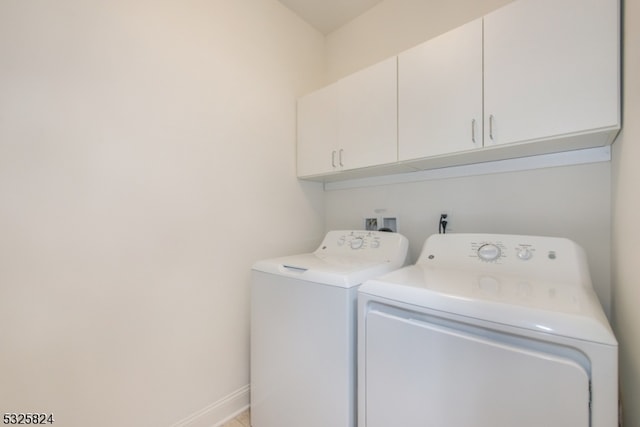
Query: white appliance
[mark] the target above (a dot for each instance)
(303, 328)
(486, 331)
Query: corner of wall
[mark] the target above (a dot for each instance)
(219, 412)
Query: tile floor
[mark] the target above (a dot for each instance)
(242, 420)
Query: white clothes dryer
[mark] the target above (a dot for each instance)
(486, 331)
(303, 328)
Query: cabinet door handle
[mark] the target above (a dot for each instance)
(340, 157)
(333, 158)
(473, 131)
(491, 126)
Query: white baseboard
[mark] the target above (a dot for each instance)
(218, 413)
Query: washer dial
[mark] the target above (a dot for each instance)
(357, 242)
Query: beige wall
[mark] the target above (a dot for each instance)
(626, 228)
(147, 159)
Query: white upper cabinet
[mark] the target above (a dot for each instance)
(551, 69)
(440, 94)
(368, 116)
(533, 77)
(350, 124)
(318, 132)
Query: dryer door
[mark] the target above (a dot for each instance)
(444, 373)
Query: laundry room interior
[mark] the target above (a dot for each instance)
(148, 160)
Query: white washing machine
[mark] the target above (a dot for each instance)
(486, 331)
(303, 328)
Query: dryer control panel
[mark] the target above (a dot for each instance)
(531, 256)
(496, 250)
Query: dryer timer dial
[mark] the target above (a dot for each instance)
(489, 252)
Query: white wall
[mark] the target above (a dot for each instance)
(626, 228)
(147, 159)
(570, 202)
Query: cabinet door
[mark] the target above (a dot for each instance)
(440, 94)
(368, 116)
(318, 132)
(551, 68)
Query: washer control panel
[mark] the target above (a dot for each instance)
(360, 240)
(374, 245)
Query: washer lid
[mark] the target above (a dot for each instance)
(342, 271)
(546, 306)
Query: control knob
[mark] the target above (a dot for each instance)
(489, 252)
(525, 254)
(357, 242)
